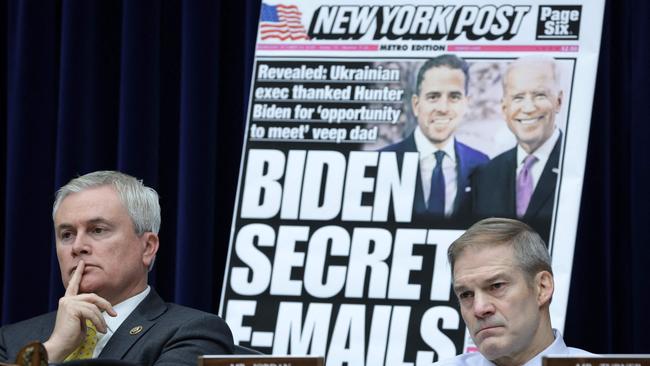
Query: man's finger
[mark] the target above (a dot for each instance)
(99, 302)
(75, 280)
(92, 313)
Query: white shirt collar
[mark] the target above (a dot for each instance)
(123, 310)
(426, 147)
(542, 153)
(558, 347)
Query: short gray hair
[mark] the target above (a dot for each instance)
(529, 248)
(140, 201)
(534, 62)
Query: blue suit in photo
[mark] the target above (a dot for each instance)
(467, 159)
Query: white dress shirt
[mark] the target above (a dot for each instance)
(428, 162)
(558, 347)
(542, 154)
(123, 310)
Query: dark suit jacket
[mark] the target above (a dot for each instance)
(467, 159)
(494, 190)
(171, 335)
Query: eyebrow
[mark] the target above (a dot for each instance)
(496, 277)
(459, 289)
(99, 220)
(62, 226)
(501, 275)
(93, 221)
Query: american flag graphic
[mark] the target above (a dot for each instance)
(281, 22)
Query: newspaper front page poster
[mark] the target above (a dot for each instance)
(378, 133)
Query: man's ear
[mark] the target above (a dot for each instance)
(544, 286)
(150, 242)
(558, 102)
(415, 100)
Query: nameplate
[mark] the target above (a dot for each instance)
(605, 360)
(260, 360)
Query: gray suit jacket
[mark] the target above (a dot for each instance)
(171, 335)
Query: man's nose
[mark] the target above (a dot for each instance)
(442, 105)
(80, 244)
(483, 306)
(528, 105)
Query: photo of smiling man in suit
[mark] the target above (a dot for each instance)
(521, 182)
(439, 105)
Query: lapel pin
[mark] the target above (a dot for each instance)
(555, 170)
(136, 330)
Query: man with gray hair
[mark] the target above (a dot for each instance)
(106, 226)
(520, 183)
(502, 277)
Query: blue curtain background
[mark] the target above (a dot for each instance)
(158, 89)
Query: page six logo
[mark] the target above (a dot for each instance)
(559, 22)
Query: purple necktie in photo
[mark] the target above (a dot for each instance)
(436, 204)
(525, 185)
